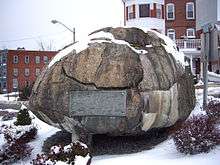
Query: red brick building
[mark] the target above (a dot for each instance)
(181, 18)
(174, 18)
(180, 25)
(21, 67)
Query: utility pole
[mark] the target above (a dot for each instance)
(206, 54)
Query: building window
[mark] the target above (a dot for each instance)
(15, 72)
(15, 59)
(46, 60)
(190, 10)
(144, 10)
(26, 71)
(37, 59)
(131, 12)
(15, 83)
(4, 72)
(159, 11)
(190, 33)
(26, 59)
(37, 71)
(171, 33)
(4, 85)
(170, 11)
(2, 59)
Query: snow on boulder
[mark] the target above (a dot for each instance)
(145, 68)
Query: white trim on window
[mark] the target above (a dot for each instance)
(15, 83)
(37, 71)
(46, 59)
(159, 11)
(170, 11)
(37, 59)
(15, 59)
(190, 33)
(26, 59)
(26, 71)
(188, 4)
(131, 12)
(171, 34)
(15, 72)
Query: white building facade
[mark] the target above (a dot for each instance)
(145, 14)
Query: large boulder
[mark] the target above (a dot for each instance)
(147, 67)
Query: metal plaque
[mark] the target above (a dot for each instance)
(98, 103)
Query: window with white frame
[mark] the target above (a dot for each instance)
(26, 71)
(15, 83)
(15, 72)
(4, 85)
(4, 71)
(171, 33)
(26, 59)
(4, 59)
(190, 33)
(190, 14)
(45, 59)
(159, 11)
(144, 10)
(15, 59)
(170, 10)
(37, 59)
(37, 71)
(131, 12)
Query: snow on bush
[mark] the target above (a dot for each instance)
(23, 117)
(16, 146)
(74, 153)
(213, 110)
(8, 116)
(196, 135)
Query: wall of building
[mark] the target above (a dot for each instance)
(3, 70)
(21, 65)
(206, 12)
(145, 23)
(180, 23)
(218, 10)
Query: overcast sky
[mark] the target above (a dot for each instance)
(24, 23)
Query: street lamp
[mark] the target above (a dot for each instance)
(72, 30)
(207, 29)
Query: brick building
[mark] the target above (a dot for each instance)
(174, 18)
(180, 25)
(180, 19)
(19, 68)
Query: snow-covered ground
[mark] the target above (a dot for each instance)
(164, 153)
(9, 96)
